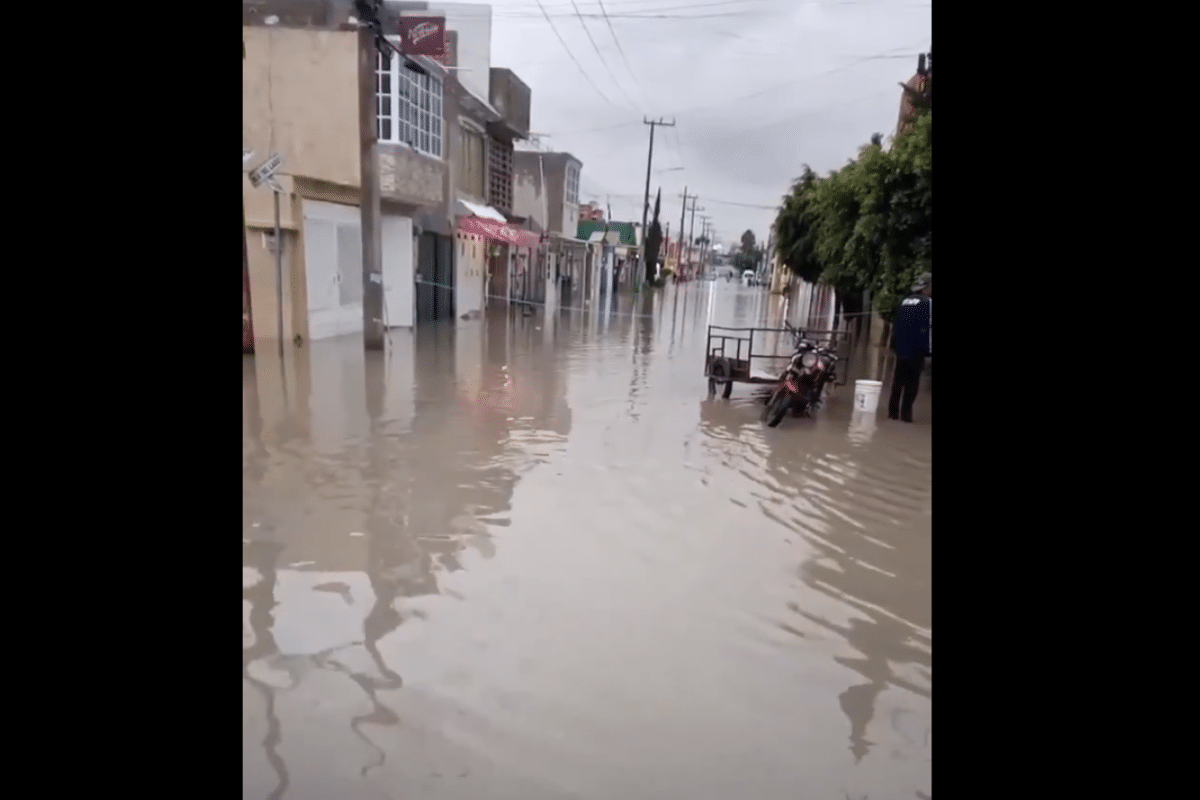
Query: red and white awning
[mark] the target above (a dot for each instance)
(500, 231)
(489, 223)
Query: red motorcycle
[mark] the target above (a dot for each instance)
(802, 384)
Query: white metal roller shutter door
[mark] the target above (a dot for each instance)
(333, 267)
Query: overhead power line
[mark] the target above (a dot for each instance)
(794, 117)
(725, 101)
(600, 56)
(778, 87)
(743, 205)
(620, 49)
(582, 71)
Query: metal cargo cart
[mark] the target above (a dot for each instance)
(759, 355)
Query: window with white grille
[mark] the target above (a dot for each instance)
(408, 107)
(573, 184)
(500, 175)
(470, 162)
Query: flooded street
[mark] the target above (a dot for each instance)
(529, 558)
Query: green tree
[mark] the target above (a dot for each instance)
(795, 229)
(905, 214)
(748, 241)
(747, 259)
(867, 226)
(654, 238)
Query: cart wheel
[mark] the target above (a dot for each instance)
(720, 369)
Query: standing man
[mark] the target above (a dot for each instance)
(912, 340)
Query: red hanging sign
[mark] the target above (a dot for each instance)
(423, 36)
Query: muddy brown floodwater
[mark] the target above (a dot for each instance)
(530, 559)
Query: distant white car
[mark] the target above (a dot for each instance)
(749, 278)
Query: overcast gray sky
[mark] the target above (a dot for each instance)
(757, 88)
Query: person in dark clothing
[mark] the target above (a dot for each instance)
(912, 341)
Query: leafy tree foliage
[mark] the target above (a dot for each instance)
(748, 241)
(867, 226)
(747, 259)
(654, 239)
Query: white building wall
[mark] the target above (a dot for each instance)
(527, 198)
(473, 23)
(570, 218)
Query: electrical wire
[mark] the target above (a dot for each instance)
(727, 101)
(620, 49)
(599, 55)
(731, 100)
(639, 123)
(799, 116)
(582, 71)
(743, 205)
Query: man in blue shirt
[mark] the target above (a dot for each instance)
(912, 340)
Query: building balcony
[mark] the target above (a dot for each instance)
(409, 177)
(512, 98)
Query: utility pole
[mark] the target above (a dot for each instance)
(368, 170)
(372, 43)
(704, 231)
(679, 257)
(692, 229)
(646, 197)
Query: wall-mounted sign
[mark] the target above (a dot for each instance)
(264, 171)
(423, 36)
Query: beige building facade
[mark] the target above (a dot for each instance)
(300, 100)
(439, 143)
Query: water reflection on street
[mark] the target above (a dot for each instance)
(529, 558)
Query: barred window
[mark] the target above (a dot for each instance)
(408, 106)
(573, 184)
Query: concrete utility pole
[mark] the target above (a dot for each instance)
(692, 229)
(369, 202)
(704, 232)
(679, 256)
(646, 198)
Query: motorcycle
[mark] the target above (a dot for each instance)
(802, 384)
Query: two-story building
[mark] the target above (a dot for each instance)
(486, 109)
(438, 139)
(300, 100)
(546, 189)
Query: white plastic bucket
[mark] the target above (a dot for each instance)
(862, 426)
(866, 396)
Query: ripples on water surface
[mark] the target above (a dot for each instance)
(532, 560)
